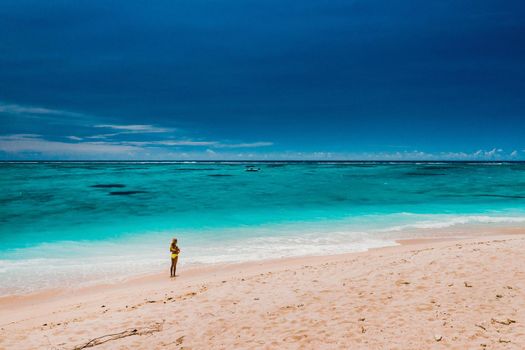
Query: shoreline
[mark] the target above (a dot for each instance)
(193, 271)
(28, 276)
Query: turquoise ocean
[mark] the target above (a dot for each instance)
(73, 223)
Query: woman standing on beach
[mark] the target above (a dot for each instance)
(175, 251)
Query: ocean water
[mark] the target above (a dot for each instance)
(71, 223)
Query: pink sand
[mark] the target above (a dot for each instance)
(462, 294)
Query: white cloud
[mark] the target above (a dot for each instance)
(128, 129)
(102, 136)
(322, 155)
(493, 153)
(29, 143)
(74, 138)
(214, 144)
(14, 137)
(170, 143)
(111, 131)
(243, 145)
(33, 111)
(134, 128)
(34, 145)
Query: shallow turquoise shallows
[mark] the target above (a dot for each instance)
(77, 222)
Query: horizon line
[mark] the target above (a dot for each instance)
(259, 161)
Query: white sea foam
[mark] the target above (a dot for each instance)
(444, 221)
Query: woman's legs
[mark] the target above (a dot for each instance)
(174, 263)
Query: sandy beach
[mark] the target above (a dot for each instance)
(423, 294)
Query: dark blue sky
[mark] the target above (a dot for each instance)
(262, 79)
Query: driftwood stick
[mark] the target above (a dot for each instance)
(156, 327)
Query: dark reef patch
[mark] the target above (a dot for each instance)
(501, 196)
(425, 174)
(125, 193)
(108, 186)
(434, 167)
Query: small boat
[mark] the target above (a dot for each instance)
(252, 168)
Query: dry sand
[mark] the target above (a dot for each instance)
(462, 294)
